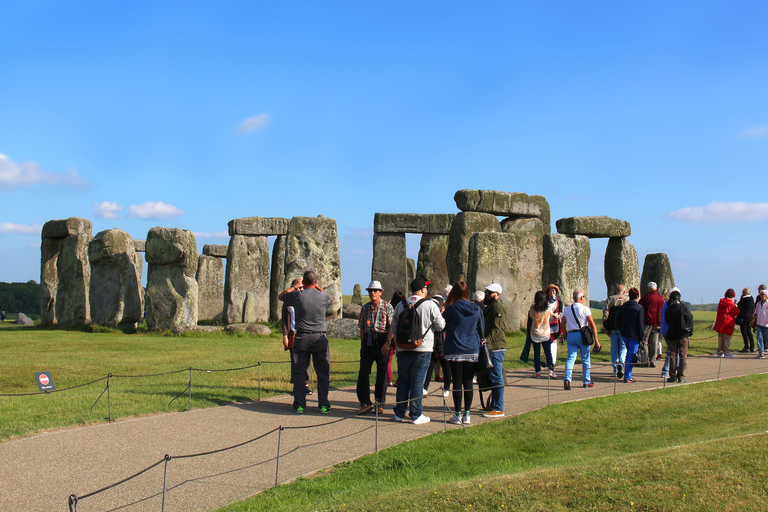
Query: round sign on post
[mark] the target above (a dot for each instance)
(43, 379)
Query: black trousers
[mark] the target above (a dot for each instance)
(315, 346)
(370, 354)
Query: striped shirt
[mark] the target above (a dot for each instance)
(376, 319)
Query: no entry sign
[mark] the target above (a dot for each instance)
(44, 381)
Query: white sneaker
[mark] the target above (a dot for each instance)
(397, 418)
(446, 393)
(421, 420)
(426, 392)
(465, 420)
(455, 419)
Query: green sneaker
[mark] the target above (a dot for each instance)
(298, 410)
(325, 409)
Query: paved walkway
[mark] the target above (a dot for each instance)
(41, 471)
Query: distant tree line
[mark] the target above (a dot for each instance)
(20, 297)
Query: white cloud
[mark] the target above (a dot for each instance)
(155, 211)
(217, 234)
(719, 211)
(20, 229)
(107, 210)
(29, 173)
(252, 124)
(755, 132)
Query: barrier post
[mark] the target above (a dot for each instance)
(719, 365)
(165, 477)
(109, 400)
(376, 442)
(277, 460)
(549, 382)
(259, 399)
(445, 408)
(189, 406)
(72, 503)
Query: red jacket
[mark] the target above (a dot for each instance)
(727, 312)
(652, 303)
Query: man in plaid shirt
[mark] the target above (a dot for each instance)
(375, 336)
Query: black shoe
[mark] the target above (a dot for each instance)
(745, 350)
(619, 373)
(652, 364)
(567, 385)
(672, 379)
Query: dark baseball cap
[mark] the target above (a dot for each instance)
(418, 283)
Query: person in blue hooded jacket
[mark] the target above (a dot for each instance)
(464, 326)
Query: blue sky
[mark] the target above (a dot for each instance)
(189, 114)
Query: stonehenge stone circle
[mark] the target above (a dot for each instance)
(594, 227)
(464, 226)
(312, 243)
(357, 295)
(115, 287)
(65, 273)
(656, 268)
(506, 204)
(621, 265)
(493, 259)
(529, 240)
(217, 251)
(258, 226)
(276, 278)
(247, 270)
(389, 264)
(566, 264)
(210, 287)
(433, 251)
(171, 294)
(432, 223)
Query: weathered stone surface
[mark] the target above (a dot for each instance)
(312, 243)
(65, 227)
(115, 288)
(138, 262)
(656, 268)
(171, 297)
(23, 319)
(343, 328)
(217, 251)
(529, 239)
(351, 311)
(253, 329)
(464, 226)
(493, 259)
(621, 265)
(276, 278)
(517, 204)
(434, 223)
(49, 279)
(74, 271)
(247, 271)
(410, 271)
(250, 308)
(389, 262)
(594, 227)
(432, 253)
(357, 295)
(210, 287)
(258, 226)
(140, 245)
(566, 264)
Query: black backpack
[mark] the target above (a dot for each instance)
(408, 335)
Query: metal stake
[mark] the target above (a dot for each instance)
(259, 399)
(277, 463)
(189, 407)
(165, 478)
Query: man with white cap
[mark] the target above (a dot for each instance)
(495, 336)
(375, 335)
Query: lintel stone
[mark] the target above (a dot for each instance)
(139, 245)
(518, 204)
(65, 227)
(594, 227)
(258, 226)
(217, 251)
(432, 223)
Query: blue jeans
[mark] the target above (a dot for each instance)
(496, 378)
(537, 348)
(618, 349)
(632, 347)
(762, 337)
(575, 346)
(411, 372)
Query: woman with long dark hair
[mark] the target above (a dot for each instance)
(541, 313)
(463, 336)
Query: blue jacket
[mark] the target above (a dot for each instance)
(629, 320)
(464, 326)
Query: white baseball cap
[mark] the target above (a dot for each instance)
(494, 287)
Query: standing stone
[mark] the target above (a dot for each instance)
(389, 262)
(312, 243)
(171, 295)
(49, 279)
(247, 271)
(411, 269)
(276, 278)
(250, 313)
(138, 262)
(566, 264)
(74, 269)
(115, 287)
(621, 265)
(210, 287)
(432, 253)
(656, 268)
(464, 226)
(22, 319)
(493, 259)
(357, 295)
(529, 240)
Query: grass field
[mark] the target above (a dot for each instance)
(75, 358)
(688, 448)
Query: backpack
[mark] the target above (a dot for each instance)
(408, 335)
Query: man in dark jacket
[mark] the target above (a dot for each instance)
(652, 303)
(495, 329)
(629, 322)
(680, 322)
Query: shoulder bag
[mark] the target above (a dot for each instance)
(586, 332)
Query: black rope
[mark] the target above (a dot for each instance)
(151, 374)
(55, 390)
(234, 369)
(315, 426)
(191, 455)
(121, 481)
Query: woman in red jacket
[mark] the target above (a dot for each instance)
(727, 311)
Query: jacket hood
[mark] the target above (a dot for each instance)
(466, 307)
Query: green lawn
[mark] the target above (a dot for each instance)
(687, 448)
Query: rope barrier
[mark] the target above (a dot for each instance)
(55, 390)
